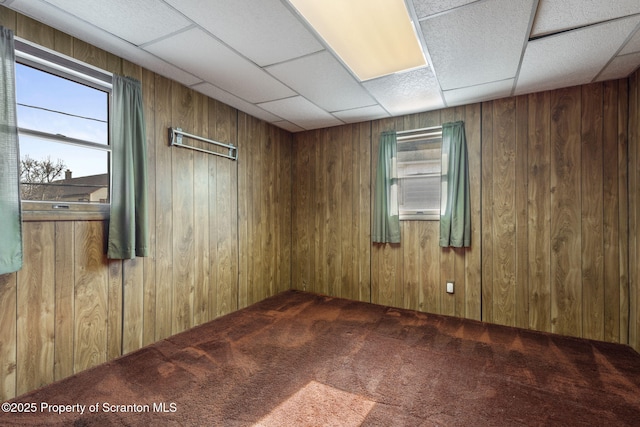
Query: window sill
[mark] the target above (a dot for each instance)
(419, 216)
(44, 211)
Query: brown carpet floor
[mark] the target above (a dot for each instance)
(299, 359)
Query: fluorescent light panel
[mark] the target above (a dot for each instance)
(373, 38)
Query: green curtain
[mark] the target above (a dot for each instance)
(455, 217)
(386, 221)
(128, 225)
(10, 209)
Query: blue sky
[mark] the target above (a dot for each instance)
(41, 89)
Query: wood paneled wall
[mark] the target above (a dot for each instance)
(550, 231)
(634, 210)
(332, 198)
(220, 238)
(331, 211)
(554, 215)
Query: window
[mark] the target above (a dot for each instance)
(421, 174)
(63, 127)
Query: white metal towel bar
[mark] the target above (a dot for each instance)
(175, 138)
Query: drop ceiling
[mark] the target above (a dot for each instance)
(261, 57)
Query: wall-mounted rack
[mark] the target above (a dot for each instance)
(176, 135)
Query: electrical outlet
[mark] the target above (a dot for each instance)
(449, 287)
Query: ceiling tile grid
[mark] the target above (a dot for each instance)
(262, 58)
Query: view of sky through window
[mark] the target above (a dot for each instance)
(55, 105)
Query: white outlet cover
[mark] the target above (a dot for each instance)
(449, 287)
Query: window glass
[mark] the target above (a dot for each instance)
(64, 134)
(52, 171)
(53, 104)
(419, 176)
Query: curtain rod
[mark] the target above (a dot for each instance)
(402, 132)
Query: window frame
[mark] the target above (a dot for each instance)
(429, 135)
(52, 62)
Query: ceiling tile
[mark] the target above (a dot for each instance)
(572, 58)
(464, 53)
(324, 81)
(229, 99)
(144, 20)
(405, 93)
(212, 61)
(301, 112)
(361, 114)
(560, 15)
(620, 67)
(633, 45)
(485, 92)
(265, 31)
(426, 8)
(287, 126)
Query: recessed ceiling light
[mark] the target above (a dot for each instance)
(372, 37)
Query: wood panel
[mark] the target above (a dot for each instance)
(164, 216)
(302, 209)
(223, 221)
(35, 312)
(362, 182)
(610, 216)
(504, 215)
(487, 213)
(8, 336)
(117, 309)
(346, 223)
(521, 220)
(149, 274)
(592, 210)
(568, 227)
(201, 215)
(634, 210)
(566, 265)
(539, 211)
(262, 203)
(625, 128)
(183, 214)
(64, 299)
(91, 295)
